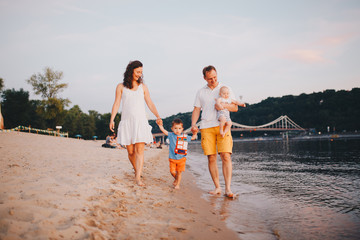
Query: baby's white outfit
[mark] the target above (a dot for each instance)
(224, 112)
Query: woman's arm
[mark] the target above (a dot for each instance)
(116, 105)
(150, 103)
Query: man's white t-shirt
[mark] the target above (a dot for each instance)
(205, 99)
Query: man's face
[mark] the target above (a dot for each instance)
(211, 79)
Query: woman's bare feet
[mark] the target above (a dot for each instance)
(139, 182)
(217, 191)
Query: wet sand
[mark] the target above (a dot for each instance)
(62, 188)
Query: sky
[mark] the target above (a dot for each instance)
(260, 48)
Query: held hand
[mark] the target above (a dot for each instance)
(159, 121)
(112, 126)
(194, 130)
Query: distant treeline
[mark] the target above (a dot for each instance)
(17, 109)
(340, 110)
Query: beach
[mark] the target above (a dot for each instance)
(64, 188)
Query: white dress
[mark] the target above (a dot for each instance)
(134, 126)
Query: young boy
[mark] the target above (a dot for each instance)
(224, 115)
(177, 149)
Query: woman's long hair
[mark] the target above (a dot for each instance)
(128, 75)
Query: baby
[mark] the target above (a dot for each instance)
(224, 115)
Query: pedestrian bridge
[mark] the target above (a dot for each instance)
(282, 123)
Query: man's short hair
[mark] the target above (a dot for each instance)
(208, 69)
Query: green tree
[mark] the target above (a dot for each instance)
(18, 109)
(48, 86)
(72, 121)
(102, 124)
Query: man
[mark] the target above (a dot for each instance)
(211, 140)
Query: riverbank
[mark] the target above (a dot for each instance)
(60, 188)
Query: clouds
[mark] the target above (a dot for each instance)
(260, 50)
(305, 55)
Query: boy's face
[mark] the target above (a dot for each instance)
(177, 129)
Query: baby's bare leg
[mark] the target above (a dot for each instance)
(228, 125)
(222, 120)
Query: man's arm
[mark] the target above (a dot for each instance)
(231, 107)
(194, 118)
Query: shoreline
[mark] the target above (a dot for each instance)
(62, 188)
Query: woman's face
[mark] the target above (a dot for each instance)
(137, 73)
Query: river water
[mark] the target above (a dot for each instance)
(295, 189)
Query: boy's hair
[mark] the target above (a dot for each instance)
(177, 121)
(208, 69)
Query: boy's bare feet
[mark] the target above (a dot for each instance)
(217, 191)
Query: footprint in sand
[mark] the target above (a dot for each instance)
(13, 165)
(180, 229)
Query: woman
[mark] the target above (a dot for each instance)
(134, 129)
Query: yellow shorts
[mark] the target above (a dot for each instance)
(177, 165)
(211, 141)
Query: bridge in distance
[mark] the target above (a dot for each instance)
(282, 124)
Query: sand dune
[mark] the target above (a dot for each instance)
(60, 188)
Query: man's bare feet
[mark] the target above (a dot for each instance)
(217, 191)
(229, 195)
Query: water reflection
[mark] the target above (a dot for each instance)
(290, 189)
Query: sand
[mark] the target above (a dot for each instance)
(63, 188)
